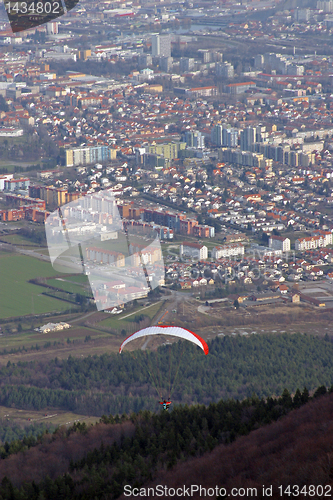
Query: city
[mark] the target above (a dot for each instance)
(165, 165)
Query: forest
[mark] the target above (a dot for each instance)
(236, 367)
(96, 462)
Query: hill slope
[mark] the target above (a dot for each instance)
(230, 443)
(296, 450)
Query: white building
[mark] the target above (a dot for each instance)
(161, 45)
(279, 243)
(3, 178)
(224, 251)
(194, 250)
(311, 242)
(326, 235)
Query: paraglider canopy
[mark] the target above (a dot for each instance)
(174, 331)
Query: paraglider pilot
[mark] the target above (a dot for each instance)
(165, 404)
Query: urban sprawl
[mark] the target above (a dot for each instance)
(210, 122)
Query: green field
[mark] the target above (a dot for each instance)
(117, 322)
(19, 240)
(29, 339)
(69, 285)
(17, 296)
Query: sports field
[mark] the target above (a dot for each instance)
(17, 296)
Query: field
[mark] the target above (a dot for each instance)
(54, 417)
(19, 240)
(126, 319)
(69, 285)
(17, 296)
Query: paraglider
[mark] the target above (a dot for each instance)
(174, 331)
(165, 404)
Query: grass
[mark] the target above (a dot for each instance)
(69, 286)
(79, 278)
(28, 339)
(17, 239)
(54, 417)
(17, 296)
(117, 322)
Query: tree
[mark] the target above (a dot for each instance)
(305, 395)
(286, 399)
(3, 105)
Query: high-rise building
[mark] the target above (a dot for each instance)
(229, 137)
(216, 135)
(186, 64)
(194, 139)
(225, 69)
(224, 136)
(166, 63)
(302, 15)
(247, 138)
(52, 28)
(161, 45)
(259, 61)
(145, 60)
(325, 5)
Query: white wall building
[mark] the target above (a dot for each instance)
(161, 45)
(279, 243)
(311, 242)
(224, 251)
(194, 250)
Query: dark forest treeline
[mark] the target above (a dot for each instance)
(295, 451)
(132, 449)
(236, 367)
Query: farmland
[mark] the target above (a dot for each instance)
(17, 296)
(54, 417)
(123, 320)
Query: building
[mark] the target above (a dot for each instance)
(247, 138)
(88, 155)
(194, 139)
(226, 251)
(225, 69)
(3, 178)
(326, 235)
(229, 137)
(239, 88)
(161, 45)
(312, 242)
(224, 136)
(169, 151)
(52, 28)
(203, 91)
(194, 250)
(216, 135)
(166, 63)
(186, 64)
(302, 15)
(325, 5)
(16, 184)
(279, 243)
(145, 60)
